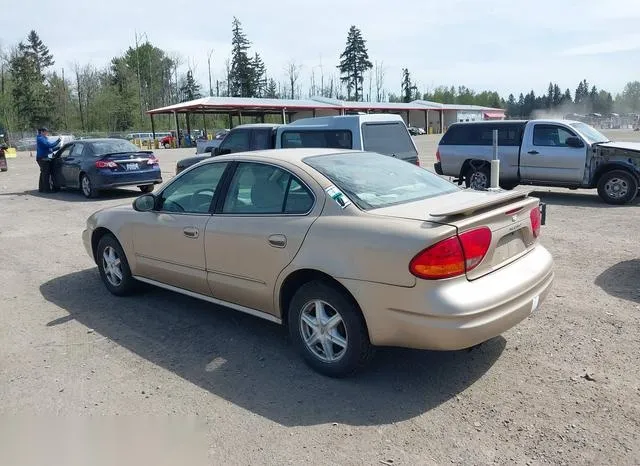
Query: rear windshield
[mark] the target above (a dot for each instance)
(388, 139)
(373, 181)
(115, 146)
(317, 138)
(476, 134)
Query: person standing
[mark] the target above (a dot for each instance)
(44, 149)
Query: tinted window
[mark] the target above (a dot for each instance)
(77, 150)
(388, 139)
(236, 141)
(193, 192)
(112, 146)
(329, 139)
(262, 139)
(372, 180)
(482, 135)
(66, 151)
(550, 136)
(264, 189)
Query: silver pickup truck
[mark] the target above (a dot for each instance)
(559, 153)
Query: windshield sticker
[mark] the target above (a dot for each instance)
(337, 195)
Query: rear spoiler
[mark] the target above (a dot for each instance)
(480, 200)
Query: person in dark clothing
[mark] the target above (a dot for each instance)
(44, 149)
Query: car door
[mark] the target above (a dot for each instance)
(256, 232)
(546, 157)
(169, 241)
(238, 140)
(58, 165)
(72, 164)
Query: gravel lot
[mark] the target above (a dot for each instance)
(562, 387)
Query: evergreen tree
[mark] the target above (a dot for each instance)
(512, 107)
(259, 72)
(241, 74)
(354, 61)
(408, 88)
(549, 99)
(566, 98)
(557, 95)
(190, 89)
(271, 91)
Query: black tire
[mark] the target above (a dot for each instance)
(147, 188)
(617, 187)
(478, 177)
(357, 349)
(3, 169)
(166, 145)
(87, 187)
(127, 283)
(508, 186)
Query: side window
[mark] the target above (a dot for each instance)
(387, 139)
(77, 150)
(258, 189)
(64, 153)
(341, 139)
(236, 141)
(193, 192)
(261, 139)
(551, 136)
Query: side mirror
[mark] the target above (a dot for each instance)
(574, 142)
(144, 203)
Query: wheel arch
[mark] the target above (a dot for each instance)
(96, 236)
(299, 277)
(610, 166)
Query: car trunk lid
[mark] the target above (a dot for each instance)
(129, 161)
(506, 214)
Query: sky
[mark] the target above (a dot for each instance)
(511, 46)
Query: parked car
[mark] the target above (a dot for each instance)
(350, 249)
(385, 134)
(416, 131)
(167, 140)
(94, 165)
(560, 153)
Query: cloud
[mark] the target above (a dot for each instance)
(621, 44)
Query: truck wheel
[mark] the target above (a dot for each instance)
(508, 186)
(478, 177)
(617, 187)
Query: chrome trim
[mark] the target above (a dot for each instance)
(219, 302)
(164, 261)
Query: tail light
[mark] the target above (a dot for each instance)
(152, 160)
(106, 164)
(536, 221)
(453, 256)
(438, 155)
(418, 161)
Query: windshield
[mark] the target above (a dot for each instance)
(592, 134)
(112, 146)
(373, 181)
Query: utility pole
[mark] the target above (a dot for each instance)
(217, 88)
(139, 81)
(64, 102)
(209, 64)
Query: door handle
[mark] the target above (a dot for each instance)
(191, 232)
(533, 152)
(278, 241)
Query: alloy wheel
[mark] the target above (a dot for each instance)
(323, 331)
(112, 266)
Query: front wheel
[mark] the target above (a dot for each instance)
(146, 188)
(328, 330)
(114, 267)
(478, 177)
(617, 187)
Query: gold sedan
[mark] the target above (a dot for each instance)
(350, 250)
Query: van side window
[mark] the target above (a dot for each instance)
(388, 139)
(332, 139)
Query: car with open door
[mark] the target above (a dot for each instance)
(349, 249)
(95, 165)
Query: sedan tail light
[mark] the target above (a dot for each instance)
(106, 164)
(438, 155)
(453, 256)
(152, 160)
(536, 221)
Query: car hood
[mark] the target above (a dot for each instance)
(632, 146)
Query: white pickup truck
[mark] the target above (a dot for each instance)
(560, 153)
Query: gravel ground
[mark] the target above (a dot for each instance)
(563, 387)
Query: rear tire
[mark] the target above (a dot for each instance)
(166, 145)
(87, 187)
(617, 187)
(146, 188)
(508, 186)
(328, 330)
(478, 177)
(114, 267)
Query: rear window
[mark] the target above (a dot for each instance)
(388, 139)
(373, 181)
(317, 138)
(115, 146)
(482, 135)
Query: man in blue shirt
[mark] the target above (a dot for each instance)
(44, 148)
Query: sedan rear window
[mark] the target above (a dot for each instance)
(373, 181)
(113, 146)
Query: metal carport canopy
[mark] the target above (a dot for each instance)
(231, 104)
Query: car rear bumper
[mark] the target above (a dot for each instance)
(455, 314)
(438, 168)
(115, 180)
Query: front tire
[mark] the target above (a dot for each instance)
(327, 328)
(617, 187)
(478, 177)
(114, 267)
(146, 188)
(87, 187)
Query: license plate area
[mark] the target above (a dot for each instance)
(130, 167)
(510, 245)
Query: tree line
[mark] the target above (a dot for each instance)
(115, 97)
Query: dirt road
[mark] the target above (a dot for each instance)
(563, 387)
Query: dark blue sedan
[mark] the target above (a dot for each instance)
(98, 164)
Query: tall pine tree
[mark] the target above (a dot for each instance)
(241, 76)
(354, 61)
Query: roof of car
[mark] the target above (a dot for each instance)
(288, 155)
(92, 140)
(258, 125)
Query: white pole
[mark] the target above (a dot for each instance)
(495, 164)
